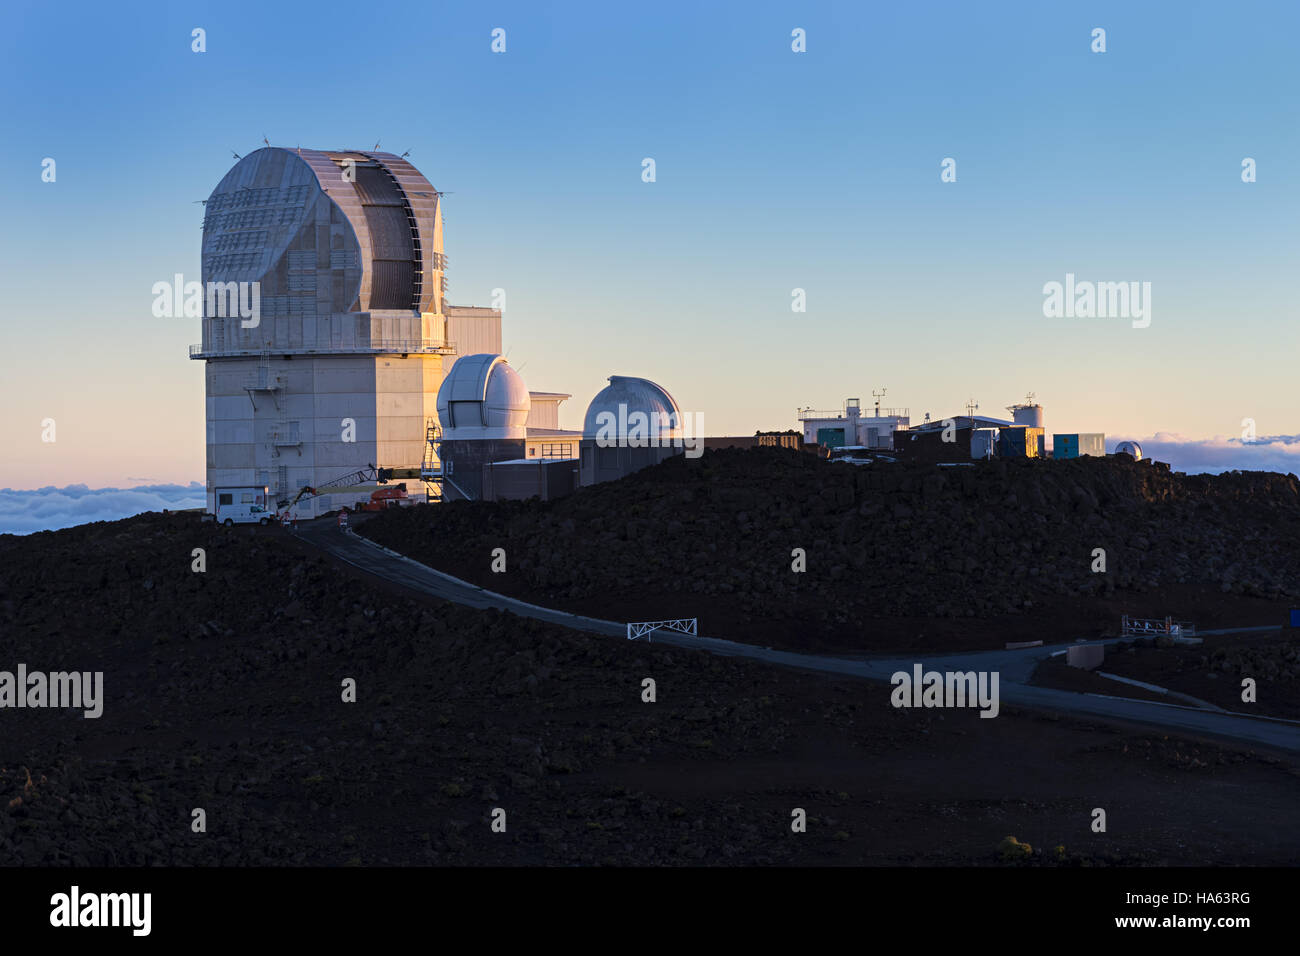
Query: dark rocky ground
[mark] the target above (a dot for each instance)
(899, 557)
(223, 692)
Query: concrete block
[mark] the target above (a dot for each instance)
(1087, 656)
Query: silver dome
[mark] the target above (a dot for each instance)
(632, 408)
(483, 397)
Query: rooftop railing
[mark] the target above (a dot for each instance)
(376, 346)
(809, 414)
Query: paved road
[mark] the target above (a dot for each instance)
(1014, 667)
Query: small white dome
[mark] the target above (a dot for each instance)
(483, 397)
(632, 407)
(1130, 448)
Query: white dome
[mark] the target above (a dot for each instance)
(632, 408)
(1130, 448)
(483, 397)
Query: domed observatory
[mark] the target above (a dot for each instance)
(483, 406)
(341, 252)
(630, 424)
(1130, 448)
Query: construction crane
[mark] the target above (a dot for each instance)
(369, 473)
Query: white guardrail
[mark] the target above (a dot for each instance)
(644, 629)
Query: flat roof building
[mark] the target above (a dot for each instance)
(848, 426)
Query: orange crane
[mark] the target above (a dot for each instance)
(370, 473)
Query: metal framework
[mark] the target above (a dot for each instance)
(376, 346)
(812, 414)
(1145, 627)
(377, 475)
(431, 471)
(687, 625)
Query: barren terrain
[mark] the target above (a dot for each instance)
(222, 691)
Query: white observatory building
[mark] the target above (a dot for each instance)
(483, 405)
(489, 418)
(341, 368)
(483, 398)
(630, 424)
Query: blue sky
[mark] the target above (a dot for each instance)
(775, 171)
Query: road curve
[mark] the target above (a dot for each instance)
(1014, 667)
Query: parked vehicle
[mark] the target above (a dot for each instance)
(243, 505)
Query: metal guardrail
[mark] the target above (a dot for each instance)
(1154, 627)
(646, 628)
(809, 414)
(377, 346)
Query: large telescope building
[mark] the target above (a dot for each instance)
(339, 369)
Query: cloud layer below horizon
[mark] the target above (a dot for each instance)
(1280, 453)
(24, 511)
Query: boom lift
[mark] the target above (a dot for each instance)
(345, 483)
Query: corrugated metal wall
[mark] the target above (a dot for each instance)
(474, 334)
(392, 283)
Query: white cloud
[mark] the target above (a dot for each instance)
(23, 511)
(1279, 453)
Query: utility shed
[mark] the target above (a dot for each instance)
(1075, 445)
(544, 478)
(928, 445)
(1021, 441)
(982, 442)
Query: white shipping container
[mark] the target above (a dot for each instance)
(1092, 443)
(982, 442)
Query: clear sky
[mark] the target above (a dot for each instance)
(775, 170)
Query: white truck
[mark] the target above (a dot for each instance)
(242, 505)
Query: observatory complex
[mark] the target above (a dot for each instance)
(354, 368)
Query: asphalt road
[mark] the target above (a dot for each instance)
(1013, 666)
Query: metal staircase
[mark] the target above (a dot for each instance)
(431, 466)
